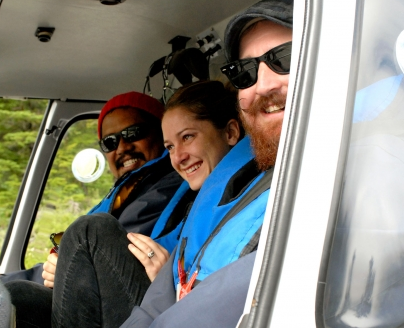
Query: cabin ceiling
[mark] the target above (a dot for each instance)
(97, 51)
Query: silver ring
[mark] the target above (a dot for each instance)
(150, 255)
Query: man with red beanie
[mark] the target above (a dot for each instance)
(129, 132)
(143, 141)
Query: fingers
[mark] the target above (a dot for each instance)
(141, 246)
(146, 244)
(53, 258)
(49, 270)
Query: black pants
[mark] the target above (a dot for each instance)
(97, 284)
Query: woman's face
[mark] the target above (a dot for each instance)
(195, 146)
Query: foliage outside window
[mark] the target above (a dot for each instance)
(64, 198)
(19, 125)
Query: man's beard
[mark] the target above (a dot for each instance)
(264, 136)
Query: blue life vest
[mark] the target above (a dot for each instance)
(170, 240)
(209, 209)
(106, 205)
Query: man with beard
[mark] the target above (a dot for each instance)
(263, 88)
(216, 272)
(129, 130)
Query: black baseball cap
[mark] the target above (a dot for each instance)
(277, 11)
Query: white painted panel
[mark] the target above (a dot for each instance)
(295, 303)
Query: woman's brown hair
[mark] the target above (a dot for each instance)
(207, 101)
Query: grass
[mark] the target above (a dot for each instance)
(47, 222)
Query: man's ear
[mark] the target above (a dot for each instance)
(232, 132)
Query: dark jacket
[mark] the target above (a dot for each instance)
(138, 213)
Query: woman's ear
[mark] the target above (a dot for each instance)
(232, 132)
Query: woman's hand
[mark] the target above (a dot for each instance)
(152, 255)
(49, 269)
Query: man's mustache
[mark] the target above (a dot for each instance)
(134, 155)
(261, 104)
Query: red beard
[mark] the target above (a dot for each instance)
(264, 138)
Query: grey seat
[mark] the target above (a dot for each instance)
(7, 311)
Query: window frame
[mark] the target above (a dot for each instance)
(295, 227)
(59, 116)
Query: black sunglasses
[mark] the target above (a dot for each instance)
(243, 73)
(130, 134)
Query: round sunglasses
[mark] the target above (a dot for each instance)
(243, 73)
(132, 133)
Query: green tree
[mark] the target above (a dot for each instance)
(19, 125)
(64, 197)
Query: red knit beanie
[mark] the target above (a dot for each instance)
(131, 99)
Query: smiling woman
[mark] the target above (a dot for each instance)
(190, 144)
(200, 126)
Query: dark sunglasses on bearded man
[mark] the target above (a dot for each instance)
(243, 73)
(132, 133)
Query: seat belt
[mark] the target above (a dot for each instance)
(261, 186)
